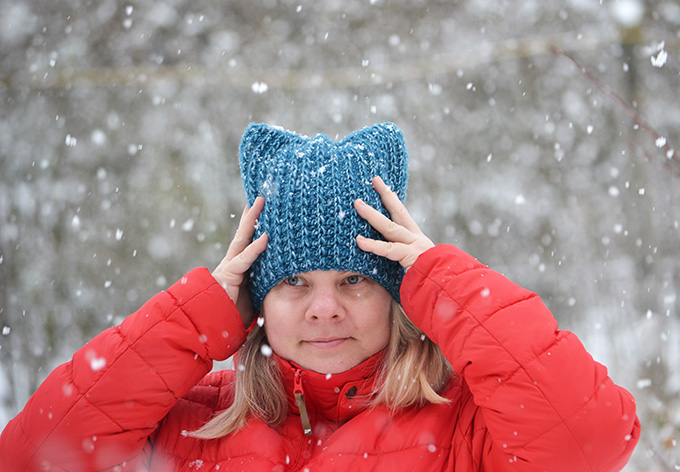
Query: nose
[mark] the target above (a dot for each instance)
(324, 305)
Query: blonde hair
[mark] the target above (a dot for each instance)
(413, 373)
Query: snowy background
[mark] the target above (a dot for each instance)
(120, 124)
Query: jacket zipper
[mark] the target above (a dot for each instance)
(300, 400)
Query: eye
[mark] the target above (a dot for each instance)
(293, 280)
(354, 279)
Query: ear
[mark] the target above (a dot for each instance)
(385, 150)
(259, 146)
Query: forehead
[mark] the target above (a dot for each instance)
(325, 274)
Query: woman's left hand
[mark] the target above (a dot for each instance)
(405, 242)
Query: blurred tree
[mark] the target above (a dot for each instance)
(120, 124)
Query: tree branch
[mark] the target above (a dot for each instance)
(627, 107)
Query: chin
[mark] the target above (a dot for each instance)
(335, 367)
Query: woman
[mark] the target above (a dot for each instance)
(349, 363)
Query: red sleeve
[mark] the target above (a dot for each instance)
(98, 410)
(547, 404)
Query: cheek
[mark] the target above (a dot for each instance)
(280, 328)
(385, 330)
(274, 326)
(379, 324)
(276, 337)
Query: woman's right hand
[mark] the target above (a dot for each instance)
(231, 273)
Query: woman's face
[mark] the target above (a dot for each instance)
(327, 321)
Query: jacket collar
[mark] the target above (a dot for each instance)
(335, 397)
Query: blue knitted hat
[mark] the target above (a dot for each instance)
(309, 186)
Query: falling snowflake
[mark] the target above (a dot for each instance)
(259, 87)
(660, 59)
(97, 363)
(266, 350)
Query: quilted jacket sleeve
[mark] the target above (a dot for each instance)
(546, 403)
(97, 411)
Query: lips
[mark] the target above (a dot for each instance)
(326, 343)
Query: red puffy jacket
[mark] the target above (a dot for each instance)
(527, 397)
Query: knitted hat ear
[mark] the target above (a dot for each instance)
(310, 185)
(259, 147)
(384, 154)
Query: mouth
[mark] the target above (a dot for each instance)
(325, 343)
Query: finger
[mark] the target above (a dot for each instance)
(243, 214)
(391, 250)
(240, 264)
(393, 205)
(238, 242)
(385, 226)
(246, 228)
(404, 254)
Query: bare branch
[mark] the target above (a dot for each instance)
(628, 108)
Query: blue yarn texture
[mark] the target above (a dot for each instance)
(309, 185)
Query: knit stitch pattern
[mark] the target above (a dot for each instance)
(309, 185)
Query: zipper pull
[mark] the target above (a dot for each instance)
(300, 400)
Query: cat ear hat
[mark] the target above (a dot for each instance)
(309, 185)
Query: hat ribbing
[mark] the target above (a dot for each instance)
(309, 186)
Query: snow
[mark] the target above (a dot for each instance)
(266, 350)
(120, 133)
(259, 87)
(628, 13)
(71, 141)
(660, 59)
(98, 137)
(17, 22)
